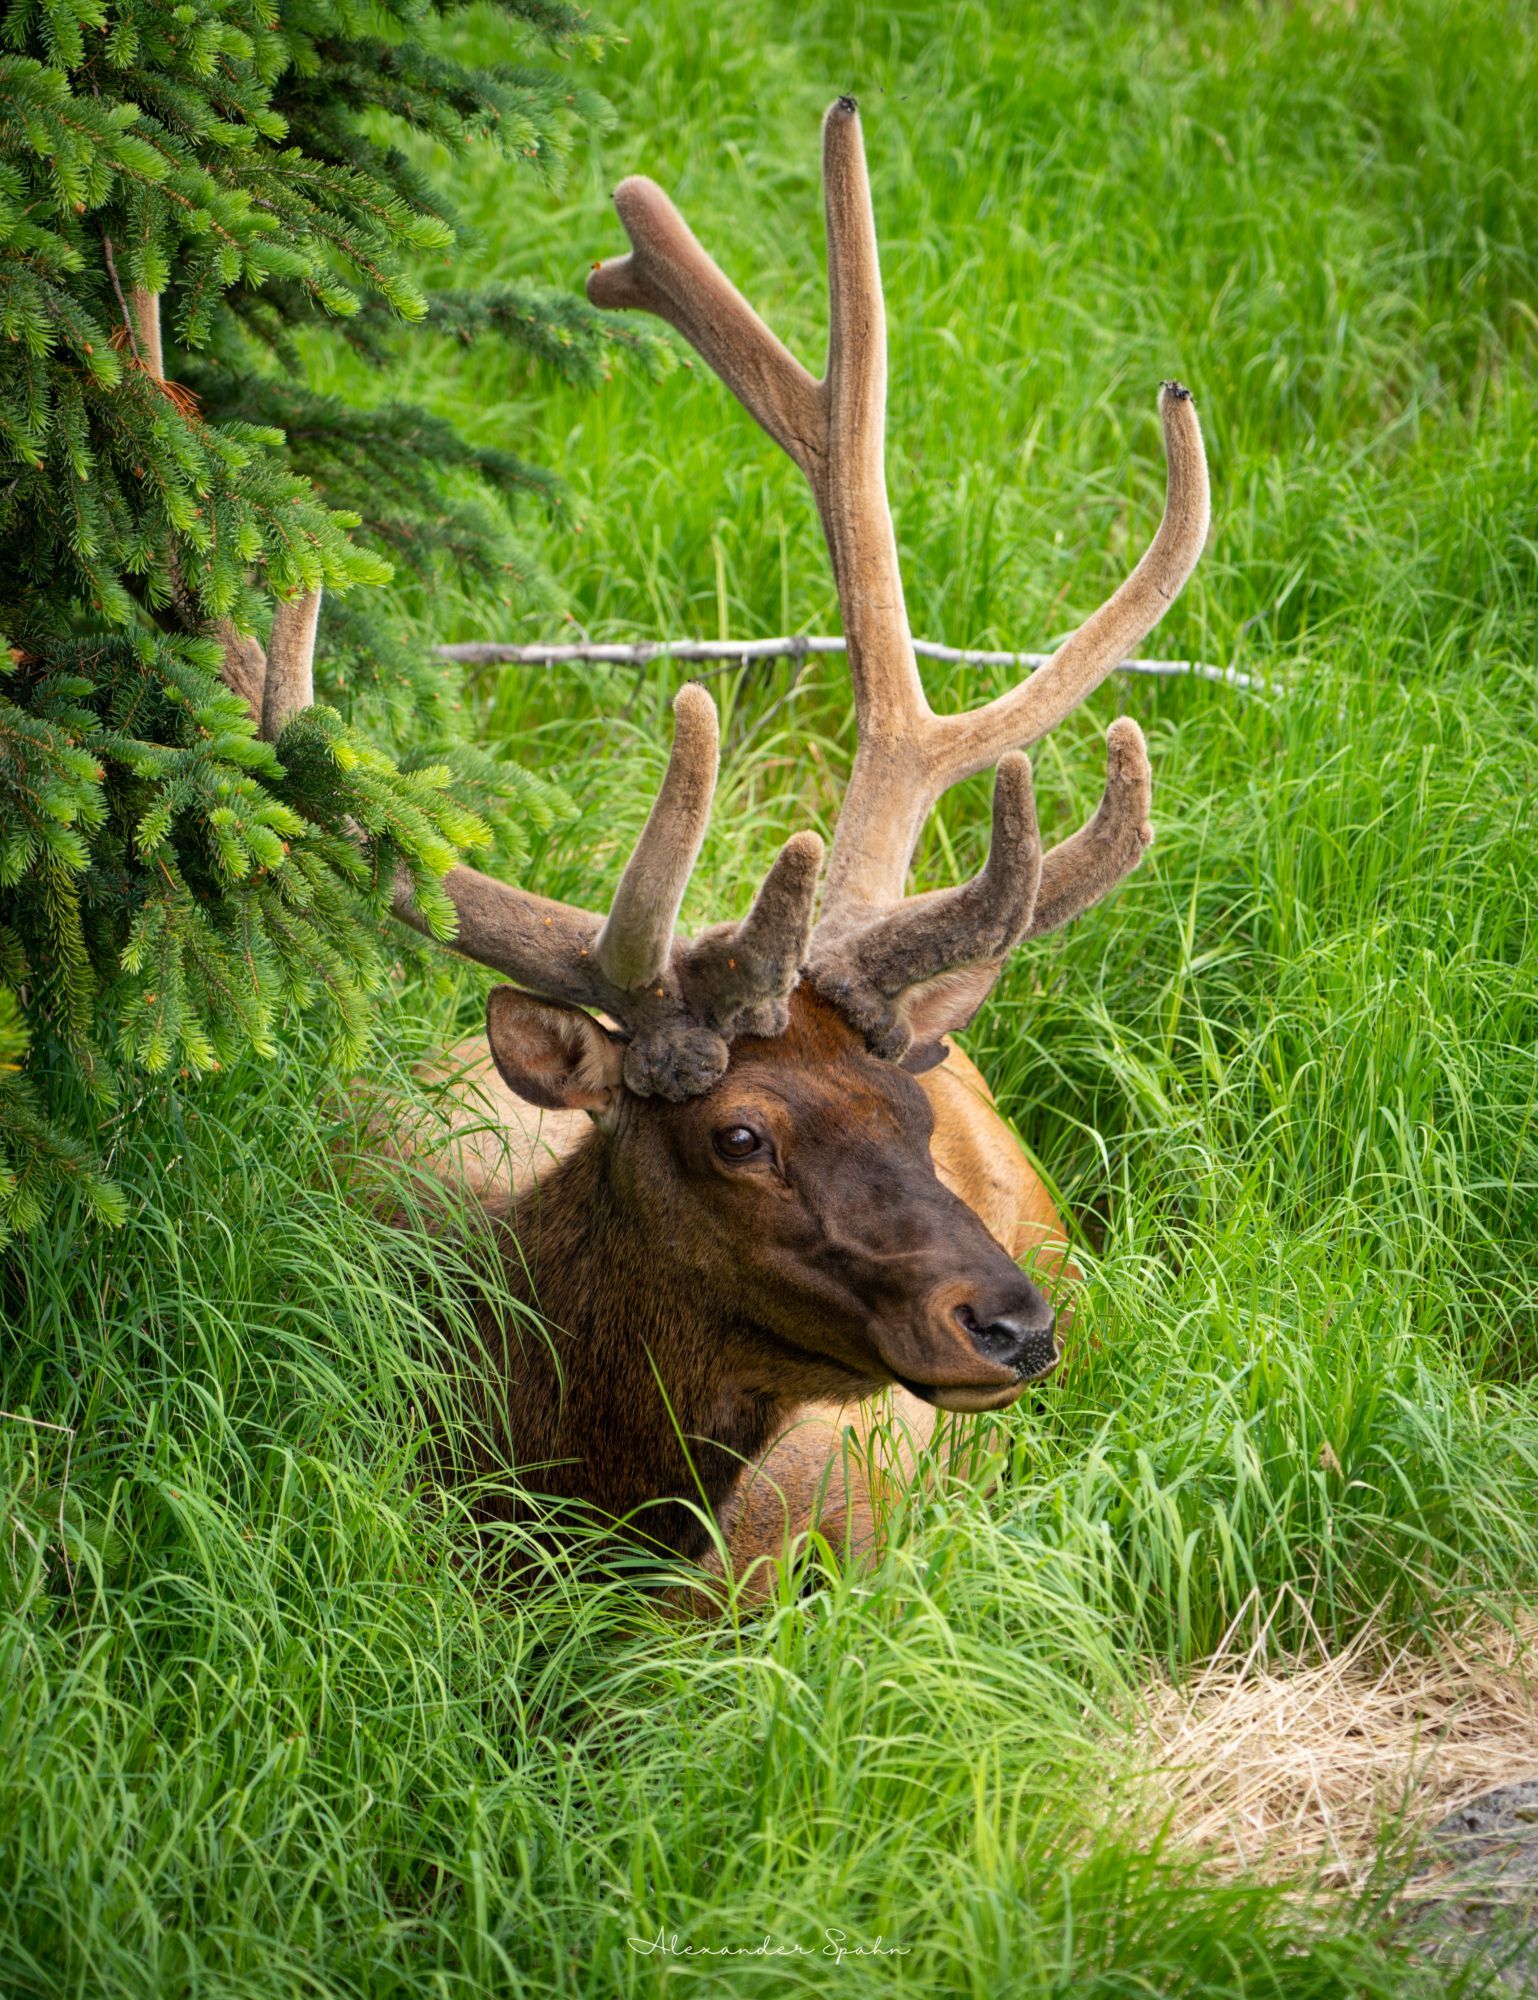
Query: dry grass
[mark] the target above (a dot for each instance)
(1288, 1767)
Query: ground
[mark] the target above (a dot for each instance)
(265, 1728)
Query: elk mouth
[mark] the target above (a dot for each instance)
(966, 1400)
(1022, 1351)
(970, 1398)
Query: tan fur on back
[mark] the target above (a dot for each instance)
(836, 1467)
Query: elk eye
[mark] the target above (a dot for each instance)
(737, 1142)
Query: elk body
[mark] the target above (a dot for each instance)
(751, 1184)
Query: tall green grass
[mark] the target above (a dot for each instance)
(269, 1725)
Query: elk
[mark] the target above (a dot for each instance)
(754, 1182)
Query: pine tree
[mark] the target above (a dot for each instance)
(183, 189)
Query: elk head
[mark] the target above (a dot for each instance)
(753, 1087)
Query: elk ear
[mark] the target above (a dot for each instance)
(554, 1056)
(946, 1004)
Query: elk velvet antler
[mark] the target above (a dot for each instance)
(871, 948)
(895, 966)
(680, 1002)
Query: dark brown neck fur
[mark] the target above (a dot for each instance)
(694, 1298)
(585, 1417)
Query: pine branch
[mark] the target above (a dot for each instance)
(181, 191)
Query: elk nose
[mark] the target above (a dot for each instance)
(1028, 1345)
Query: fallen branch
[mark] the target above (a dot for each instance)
(799, 647)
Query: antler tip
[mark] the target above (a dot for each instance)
(651, 222)
(608, 284)
(1012, 776)
(648, 213)
(841, 131)
(1177, 412)
(696, 725)
(1127, 753)
(1129, 774)
(798, 869)
(632, 189)
(693, 704)
(1188, 504)
(1015, 838)
(806, 847)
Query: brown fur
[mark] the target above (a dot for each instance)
(780, 1440)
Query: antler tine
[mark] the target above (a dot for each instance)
(968, 743)
(738, 976)
(635, 942)
(867, 971)
(275, 682)
(851, 494)
(1082, 869)
(668, 274)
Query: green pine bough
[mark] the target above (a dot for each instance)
(185, 191)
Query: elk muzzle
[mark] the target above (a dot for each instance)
(980, 1344)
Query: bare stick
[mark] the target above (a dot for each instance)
(123, 307)
(290, 683)
(146, 313)
(799, 646)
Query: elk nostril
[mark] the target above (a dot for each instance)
(1030, 1349)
